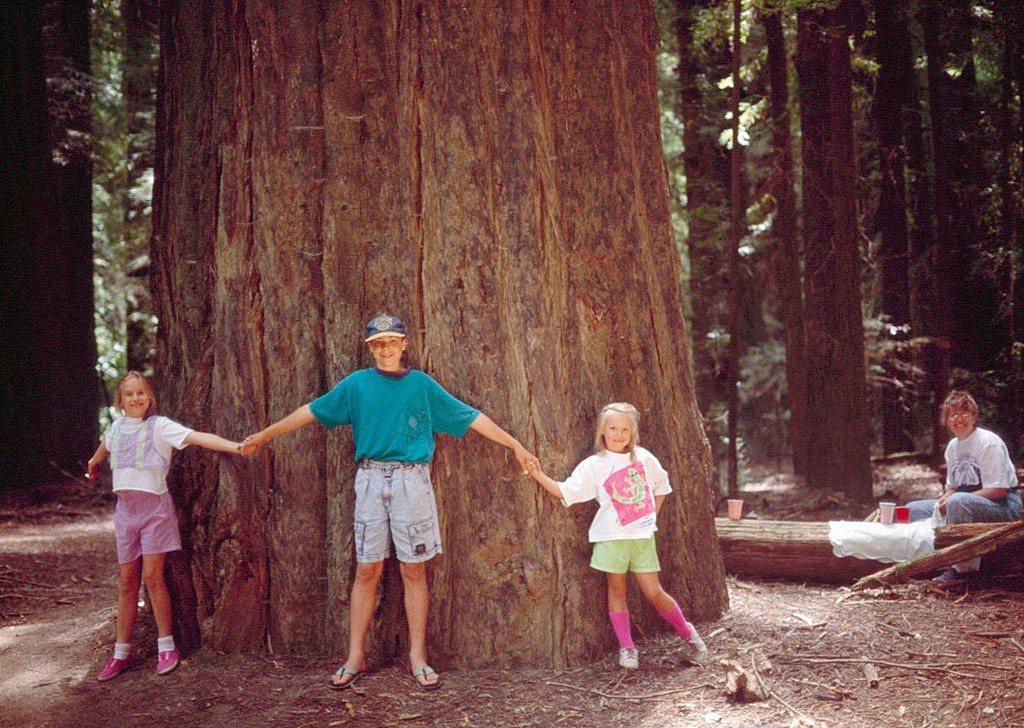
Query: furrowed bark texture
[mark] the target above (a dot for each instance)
(494, 177)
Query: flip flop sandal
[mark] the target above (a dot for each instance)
(423, 672)
(342, 672)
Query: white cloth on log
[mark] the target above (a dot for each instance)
(888, 543)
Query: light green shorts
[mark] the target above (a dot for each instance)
(618, 557)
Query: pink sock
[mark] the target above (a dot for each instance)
(620, 623)
(675, 617)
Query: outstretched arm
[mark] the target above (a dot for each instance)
(486, 427)
(98, 457)
(212, 442)
(299, 418)
(545, 481)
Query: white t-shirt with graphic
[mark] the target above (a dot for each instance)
(980, 460)
(624, 490)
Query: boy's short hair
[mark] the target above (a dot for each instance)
(384, 325)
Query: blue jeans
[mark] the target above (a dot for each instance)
(970, 508)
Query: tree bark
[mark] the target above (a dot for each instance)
(786, 250)
(976, 339)
(138, 88)
(839, 456)
(494, 178)
(895, 79)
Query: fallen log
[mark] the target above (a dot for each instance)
(1002, 536)
(798, 550)
(801, 550)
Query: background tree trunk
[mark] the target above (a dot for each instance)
(707, 165)
(49, 391)
(895, 77)
(786, 251)
(138, 87)
(495, 178)
(839, 456)
(961, 178)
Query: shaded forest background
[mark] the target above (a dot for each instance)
(932, 229)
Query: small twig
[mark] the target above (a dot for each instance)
(840, 693)
(794, 711)
(55, 600)
(1017, 644)
(870, 674)
(898, 630)
(26, 582)
(645, 696)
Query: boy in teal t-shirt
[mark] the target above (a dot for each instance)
(394, 413)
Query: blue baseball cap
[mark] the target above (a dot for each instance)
(384, 325)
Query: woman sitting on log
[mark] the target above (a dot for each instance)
(981, 481)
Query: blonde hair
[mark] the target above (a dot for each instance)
(617, 408)
(958, 400)
(119, 395)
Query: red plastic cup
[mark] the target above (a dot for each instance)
(902, 514)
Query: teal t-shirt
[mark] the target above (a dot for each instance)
(393, 418)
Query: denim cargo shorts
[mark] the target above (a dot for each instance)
(395, 503)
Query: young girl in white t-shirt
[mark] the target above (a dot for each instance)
(139, 446)
(629, 485)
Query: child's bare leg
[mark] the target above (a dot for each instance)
(650, 586)
(156, 587)
(128, 599)
(363, 601)
(417, 605)
(616, 592)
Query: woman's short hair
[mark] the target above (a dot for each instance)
(957, 401)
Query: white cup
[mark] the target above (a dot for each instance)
(886, 510)
(735, 509)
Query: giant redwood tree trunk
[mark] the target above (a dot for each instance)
(492, 175)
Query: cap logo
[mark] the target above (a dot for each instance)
(383, 323)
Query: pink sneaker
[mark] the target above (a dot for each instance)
(114, 668)
(166, 662)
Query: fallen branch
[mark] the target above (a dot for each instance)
(27, 582)
(645, 696)
(976, 546)
(921, 667)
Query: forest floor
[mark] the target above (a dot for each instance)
(944, 656)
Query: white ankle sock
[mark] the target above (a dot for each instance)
(121, 650)
(165, 644)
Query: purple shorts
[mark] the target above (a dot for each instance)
(144, 523)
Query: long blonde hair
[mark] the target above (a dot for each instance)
(119, 394)
(617, 408)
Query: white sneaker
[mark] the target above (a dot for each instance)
(629, 658)
(694, 648)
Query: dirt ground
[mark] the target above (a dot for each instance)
(944, 657)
